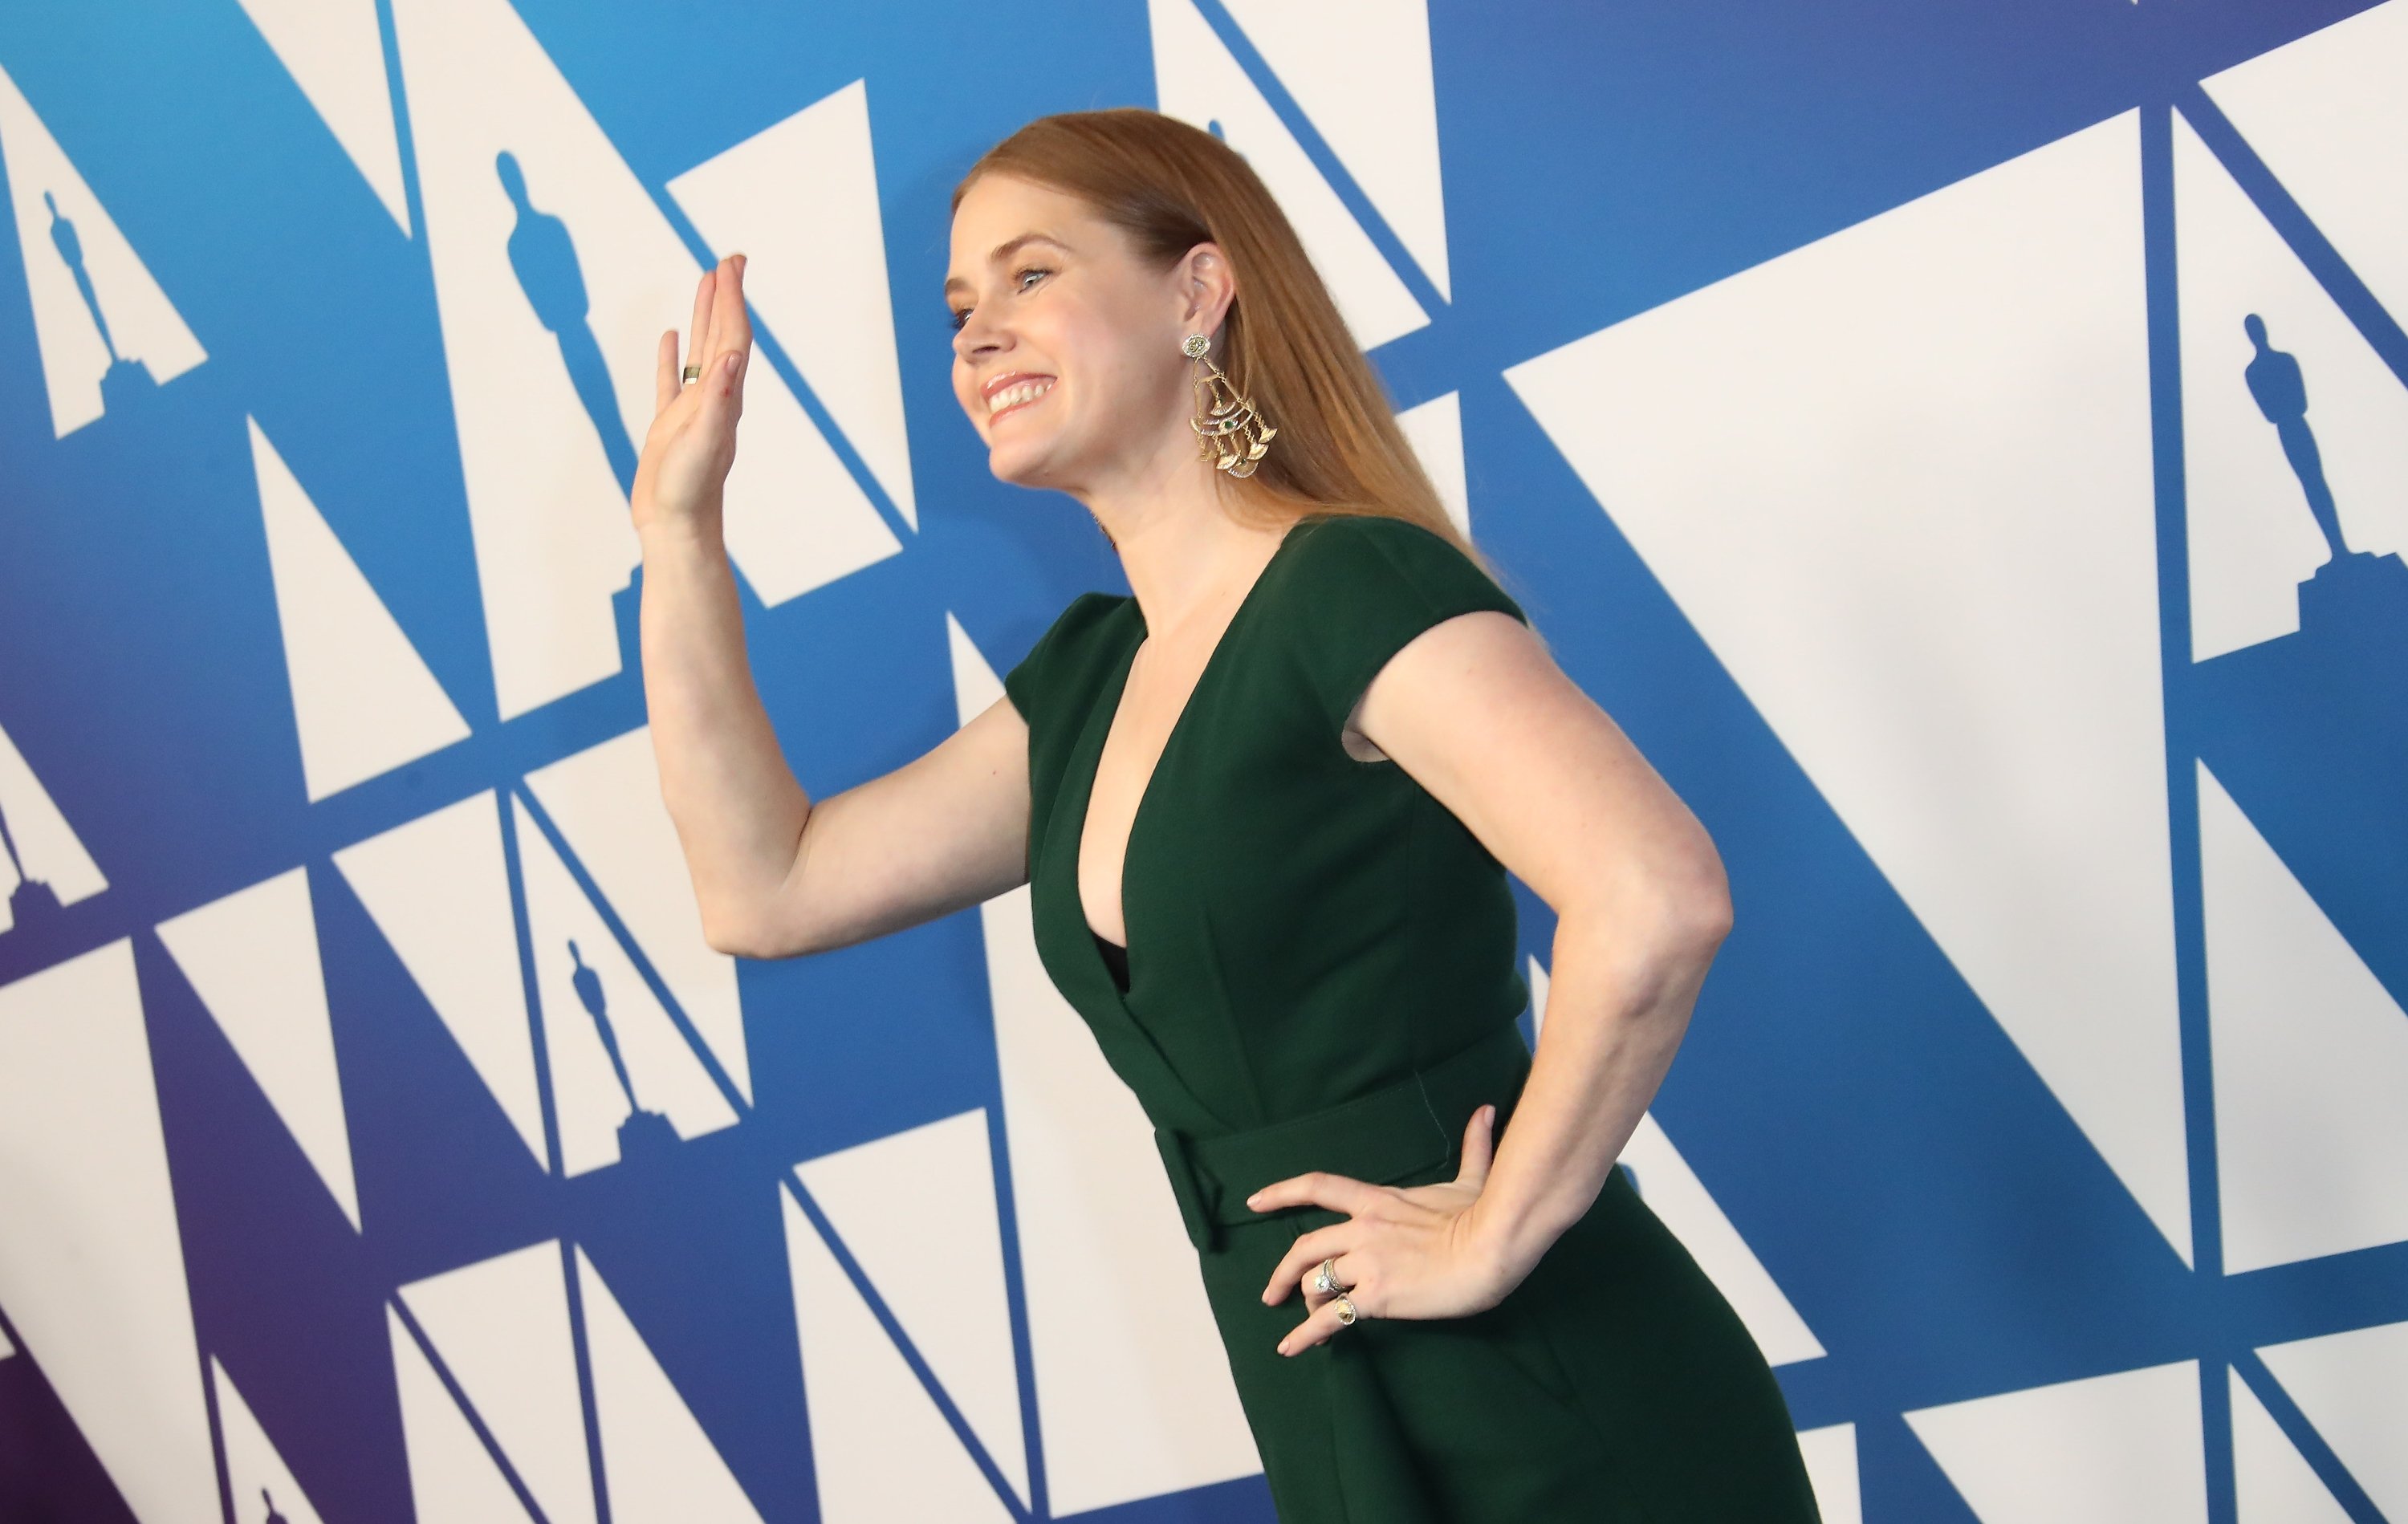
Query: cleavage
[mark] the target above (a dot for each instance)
(1138, 734)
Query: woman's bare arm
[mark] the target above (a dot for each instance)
(775, 874)
(1480, 715)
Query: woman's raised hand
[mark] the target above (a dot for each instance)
(682, 474)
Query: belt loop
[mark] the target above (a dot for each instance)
(1186, 1187)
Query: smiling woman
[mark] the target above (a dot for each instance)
(1266, 804)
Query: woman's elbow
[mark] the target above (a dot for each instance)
(1688, 910)
(719, 939)
(1670, 917)
(1705, 910)
(728, 930)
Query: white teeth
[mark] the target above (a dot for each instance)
(1013, 395)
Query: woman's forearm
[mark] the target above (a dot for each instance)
(739, 810)
(1617, 1006)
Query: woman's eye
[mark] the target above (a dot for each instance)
(1021, 281)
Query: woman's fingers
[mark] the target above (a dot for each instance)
(1348, 1270)
(1323, 1322)
(665, 371)
(731, 327)
(697, 333)
(1331, 1192)
(1305, 1256)
(1478, 1149)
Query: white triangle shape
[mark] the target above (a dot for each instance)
(262, 1484)
(363, 698)
(799, 199)
(2252, 537)
(334, 53)
(2109, 1450)
(2326, 115)
(2353, 1388)
(588, 1101)
(547, 513)
(2311, 1060)
(45, 847)
(1830, 1456)
(439, 888)
(657, 1464)
(91, 1264)
(1134, 1395)
(143, 325)
(1674, 1193)
(607, 802)
(1435, 430)
(1900, 480)
(452, 1478)
(1199, 83)
(917, 1210)
(501, 1327)
(976, 687)
(880, 1451)
(252, 957)
(1361, 70)
(2272, 1482)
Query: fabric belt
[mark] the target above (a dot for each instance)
(1381, 1138)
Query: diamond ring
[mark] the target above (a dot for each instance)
(1324, 1280)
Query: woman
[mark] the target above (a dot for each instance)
(1267, 806)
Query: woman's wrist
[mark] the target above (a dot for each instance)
(678, 533)
(1507, 1238)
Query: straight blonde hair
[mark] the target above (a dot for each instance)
(1171, 187)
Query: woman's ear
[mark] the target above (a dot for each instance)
(1207, 287)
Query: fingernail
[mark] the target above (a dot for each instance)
(728, 365)
(1253, 1199)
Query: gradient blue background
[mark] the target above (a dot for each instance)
(1840, 1083)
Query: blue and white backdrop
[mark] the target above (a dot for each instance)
(1967, 446)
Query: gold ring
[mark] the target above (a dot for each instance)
(1346, 1314)
(693, 373)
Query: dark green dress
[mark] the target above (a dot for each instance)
(1321, 962)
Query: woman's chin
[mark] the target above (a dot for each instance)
(1019, 464)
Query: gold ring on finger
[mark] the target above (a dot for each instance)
(693, 373)
(1346, 1314)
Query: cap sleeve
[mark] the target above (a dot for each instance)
(1028, 683)
(1373, 583)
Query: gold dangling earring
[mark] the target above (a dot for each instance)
(1230, 431)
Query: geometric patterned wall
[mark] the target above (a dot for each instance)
(1966, 447)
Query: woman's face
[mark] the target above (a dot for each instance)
(1065, 349)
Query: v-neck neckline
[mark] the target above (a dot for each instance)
(1110, 703)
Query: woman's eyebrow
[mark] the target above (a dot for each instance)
(1005, 250)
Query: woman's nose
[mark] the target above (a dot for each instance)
(978, 337)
